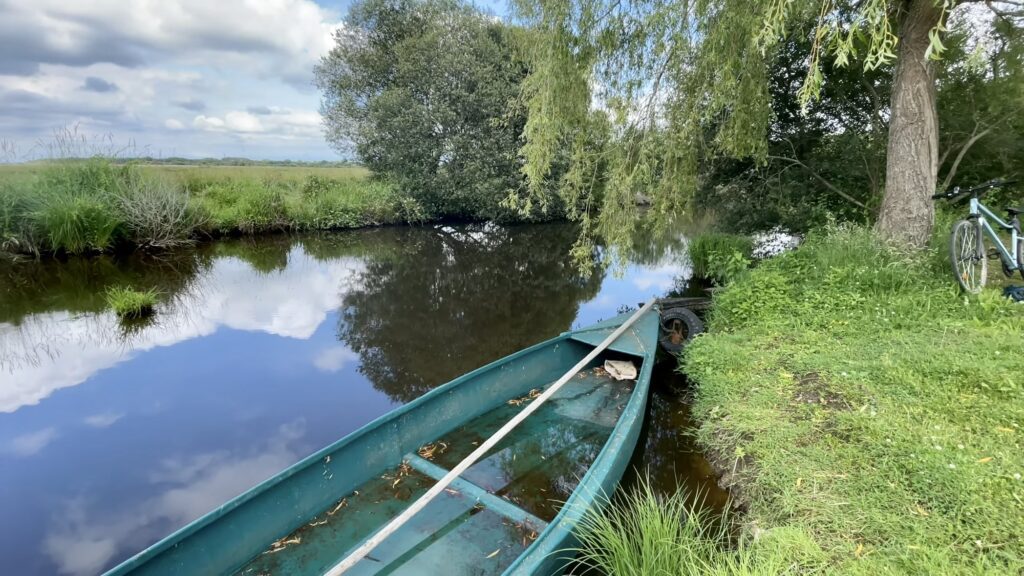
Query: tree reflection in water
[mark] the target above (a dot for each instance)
(497, 290)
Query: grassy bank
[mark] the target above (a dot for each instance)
(866, 415)
(95, 206)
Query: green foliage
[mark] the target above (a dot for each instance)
(76, 223)
(844, 31)
(130, 303)
(427, 93)
(18, 233)
(645, 533)
(719, 257)
(75, 212)
(84, 207)
(246, 206)
(981, 106)
(855, 398)
(727, 102)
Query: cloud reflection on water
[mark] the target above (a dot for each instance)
(54, 350)
(86, 536)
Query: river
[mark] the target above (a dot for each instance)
(114, 434)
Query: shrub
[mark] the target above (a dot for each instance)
(719, 257)
(315, 187)
(130, 303)
(157, 211)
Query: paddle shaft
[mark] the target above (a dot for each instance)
(397, 522)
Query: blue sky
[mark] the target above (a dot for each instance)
(193, 78)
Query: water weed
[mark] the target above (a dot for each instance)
(129, 303)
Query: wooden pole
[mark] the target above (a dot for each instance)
(397, 522)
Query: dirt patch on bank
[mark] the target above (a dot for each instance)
(811, 388)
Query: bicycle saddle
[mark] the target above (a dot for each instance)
(1015, 211)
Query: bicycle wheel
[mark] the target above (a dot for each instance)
(1020, 256)
(967, 252)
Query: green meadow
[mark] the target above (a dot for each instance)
(91, 206)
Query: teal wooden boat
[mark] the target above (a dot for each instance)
(512, 512)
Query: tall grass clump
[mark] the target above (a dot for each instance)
(77, 223)
(129, 303)
(67, 206)
(18, 232)
(719, 257)
(642, 533)
(243, 205)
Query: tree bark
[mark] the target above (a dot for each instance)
(912, 161)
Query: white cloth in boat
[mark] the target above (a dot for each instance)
(620, 369)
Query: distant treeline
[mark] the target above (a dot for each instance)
(232, 161)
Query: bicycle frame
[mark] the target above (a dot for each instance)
(1009, 256)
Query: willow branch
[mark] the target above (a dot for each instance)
(821, 179)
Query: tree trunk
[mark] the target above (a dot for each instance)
(912, 161)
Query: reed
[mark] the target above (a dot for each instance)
(643, 533)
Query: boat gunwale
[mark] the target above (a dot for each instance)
(172, 539)
(576, 506)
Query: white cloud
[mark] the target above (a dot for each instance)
(32, 443)
(236, 62)
(281, 124)
(211, 123)
(104, 420)
(334, 359)
(242, 122)
(288, 35)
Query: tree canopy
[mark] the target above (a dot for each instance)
(686, 83)
(426, 92)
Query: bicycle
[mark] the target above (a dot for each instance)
(967, 241)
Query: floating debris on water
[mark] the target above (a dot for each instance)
(493, 554)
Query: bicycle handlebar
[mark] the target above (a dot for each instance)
(956, 192)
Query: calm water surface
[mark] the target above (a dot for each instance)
(114, 434)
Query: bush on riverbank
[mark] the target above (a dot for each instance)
(851, 396)
(76, 207)
(718, 256)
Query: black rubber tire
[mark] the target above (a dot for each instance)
(679, 326)
(970, 283)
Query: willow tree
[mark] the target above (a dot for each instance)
(683, 80)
